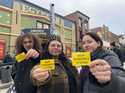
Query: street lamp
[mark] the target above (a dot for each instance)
(52, 17)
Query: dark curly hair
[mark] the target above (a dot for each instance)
(19, 42)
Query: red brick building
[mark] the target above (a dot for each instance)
(82, 25)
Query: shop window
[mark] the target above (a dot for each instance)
(42, 25)
(80, 22)
(45, 26)
(67, 23)
(7, 3)
(5, 17)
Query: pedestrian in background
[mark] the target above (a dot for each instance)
(117, 50)
(7, 58)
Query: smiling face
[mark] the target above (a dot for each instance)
(28, 43)
(89, 44)
(55, 48)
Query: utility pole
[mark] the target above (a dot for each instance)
(52, 19)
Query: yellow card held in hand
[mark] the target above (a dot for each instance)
(20, 57)
(81, 59)
(48, 64)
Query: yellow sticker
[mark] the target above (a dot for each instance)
(20, 57)
(48, 64)
(81, 59)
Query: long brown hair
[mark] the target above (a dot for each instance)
(62, 57)
(19, 42)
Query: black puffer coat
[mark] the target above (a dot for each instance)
(21, 76)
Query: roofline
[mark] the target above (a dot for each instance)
(100, 30)
(43, 9)
(82, 14)
(78, 12)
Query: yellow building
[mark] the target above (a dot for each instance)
(16, 15)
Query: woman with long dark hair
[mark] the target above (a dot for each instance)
(29, 44)
(60, 80)
(105, 73)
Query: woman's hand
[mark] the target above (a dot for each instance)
(39, 74)
(32, 53)
(101, 70)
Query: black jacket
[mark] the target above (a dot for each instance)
(21, 76)
(117, 83)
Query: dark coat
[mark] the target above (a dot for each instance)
(72, 82)
(118, 52)
(21, 75)
(7, 59)
(117, 83)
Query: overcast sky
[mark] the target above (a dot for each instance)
(108, 12)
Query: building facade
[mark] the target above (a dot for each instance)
(82, 26)
(106, 35)
(16, 15)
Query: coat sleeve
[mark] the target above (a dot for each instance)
(14, 70)
(117, 83)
